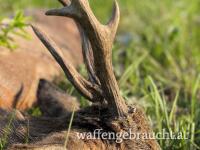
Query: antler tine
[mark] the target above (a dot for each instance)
(87, 51)
(99, 34)
(65, 2)
(69, 10)
(114, 20)
(101, 38)
(88, 57)
(88, 90)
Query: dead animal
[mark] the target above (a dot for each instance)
(109, 112)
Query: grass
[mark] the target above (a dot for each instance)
(156, 61)
(7, 131)
(10, 27)
(10, 6)
(69, 128)
(173, 119)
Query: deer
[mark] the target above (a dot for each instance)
(108, 112)
(19, 80)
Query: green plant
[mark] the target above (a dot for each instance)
(158, 39)
(69, 128)
(35, 111)
(9, 27)
(7, 130)
(10, 6)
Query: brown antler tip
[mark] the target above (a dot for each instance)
(63, 2)
(35, 29)
(54, 12)
(114, 21)
(101, 39)
(66, 11)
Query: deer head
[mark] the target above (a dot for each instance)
(97, 42)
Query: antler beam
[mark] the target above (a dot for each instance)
(86, 50)
(97, 51)
(87, 89)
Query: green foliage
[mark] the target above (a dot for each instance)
(69, 127)
(13, 5)
(35, 111)
(9, 27)
(173, 117)
(160, 39)
(7, 131)
(156, 60)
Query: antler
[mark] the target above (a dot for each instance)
(87, 89)
(97, 51)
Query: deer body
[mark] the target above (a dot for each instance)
(21, 70)
(109, 111)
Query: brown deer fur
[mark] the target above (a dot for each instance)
(109, 111)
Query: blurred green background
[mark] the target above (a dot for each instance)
(156, 58)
